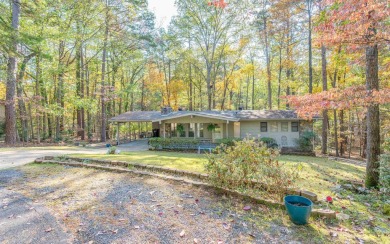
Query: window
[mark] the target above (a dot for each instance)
(294, 126)
(284, 126)
(274, 127)
(263, 126)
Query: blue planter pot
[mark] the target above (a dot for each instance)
(298, 208)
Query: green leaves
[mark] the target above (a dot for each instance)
(249, 165)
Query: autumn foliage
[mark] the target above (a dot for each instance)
(354, 22)
(311, 105)
(218, 4)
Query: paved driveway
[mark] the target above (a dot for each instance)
(135, 146)
(13, 157)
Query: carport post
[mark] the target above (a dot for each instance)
(117, 134)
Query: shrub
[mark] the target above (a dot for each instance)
(173, 143)
(228, 141)
(269, 142)
(305, 141)
(248, 165)
(111, 150)
(384, 173)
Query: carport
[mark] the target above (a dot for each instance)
(143, 121)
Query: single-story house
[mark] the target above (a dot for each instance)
(282, 125)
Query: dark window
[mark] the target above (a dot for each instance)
(294, 126)
(263, 126)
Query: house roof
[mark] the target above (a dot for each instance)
(137, 116)
(243, 115)
(267, 114)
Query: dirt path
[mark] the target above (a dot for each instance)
(105, 207)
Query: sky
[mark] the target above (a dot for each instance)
(164, 10)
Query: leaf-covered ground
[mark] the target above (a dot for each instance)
(106, 207)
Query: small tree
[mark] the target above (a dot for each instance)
(249, 165)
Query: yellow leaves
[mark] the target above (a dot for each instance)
(2, 90)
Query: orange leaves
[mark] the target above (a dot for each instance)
(218, 4)
(354, 22)
(311, 105)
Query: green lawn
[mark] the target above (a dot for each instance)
(183, 161)
(316, 174)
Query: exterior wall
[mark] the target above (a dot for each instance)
(242, 129)
(249, 128)
(231, 130)
(252, 128)
(2, 113)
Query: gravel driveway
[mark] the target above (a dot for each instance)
(91, 206)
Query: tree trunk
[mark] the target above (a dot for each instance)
(373, 122)
(79, 88)
(59, 92)
(10, 114)
(21, 103)
(268, 61)
(103, 135)
(325, 112)
(309, 12)
(280, 75)
(38, 95)
(253, 85)
(336, 141)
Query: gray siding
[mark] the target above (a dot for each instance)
(252, 128)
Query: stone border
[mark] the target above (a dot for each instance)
(312, 196)
(329, 214)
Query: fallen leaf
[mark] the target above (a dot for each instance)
(121, 220)
(182, 233)
(247, 208)
(226, 226)
(176, 212)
